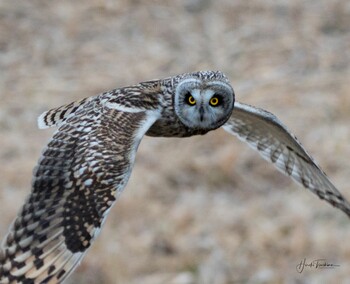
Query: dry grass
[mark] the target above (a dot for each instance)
(203, 209)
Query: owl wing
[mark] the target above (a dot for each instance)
(85, 166)
(265, 133)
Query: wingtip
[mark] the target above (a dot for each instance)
(41, 121)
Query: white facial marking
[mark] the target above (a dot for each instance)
(202, 114)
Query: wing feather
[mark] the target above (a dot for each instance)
(78, 178)
(265, 133)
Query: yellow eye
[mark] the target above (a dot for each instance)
(214, 101)
(191, 100)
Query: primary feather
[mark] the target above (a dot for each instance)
(265, 133)
(83, 169)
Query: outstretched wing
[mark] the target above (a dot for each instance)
(264, 132)
(78, 178)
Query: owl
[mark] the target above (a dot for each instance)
(88, 161)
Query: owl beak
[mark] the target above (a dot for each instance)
(201, 113)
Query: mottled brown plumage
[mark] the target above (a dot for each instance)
(87, 164)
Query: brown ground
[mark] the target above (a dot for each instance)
(203, 209)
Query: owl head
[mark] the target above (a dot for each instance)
(204, 100)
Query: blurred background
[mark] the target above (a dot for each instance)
(202, 209)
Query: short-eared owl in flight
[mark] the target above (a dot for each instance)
(87, 164)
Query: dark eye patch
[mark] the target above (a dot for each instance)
(189, 99)
(216, 100)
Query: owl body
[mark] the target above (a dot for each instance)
(169, 124)
(88, 162)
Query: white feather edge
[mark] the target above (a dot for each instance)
(41, 121)
(122, 108)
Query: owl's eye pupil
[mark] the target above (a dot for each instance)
(215, 101)
(189, 99)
